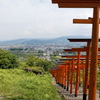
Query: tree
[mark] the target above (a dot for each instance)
(37, 62)
(7, 60)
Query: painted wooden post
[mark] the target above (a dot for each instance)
(58, 76)
(94, 55)
(83, 74)
(86, 72)
(65, 76)
(62, 84)
(77, 74)
(68, 76)
(72, 76)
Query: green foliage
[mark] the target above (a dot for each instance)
(62, 98)
(99, 67)
(98, 80)
(31, 61)
(52, 57)
(16, 84)
(40, 51)
(38, 69)
(37, 62)
(7, 60)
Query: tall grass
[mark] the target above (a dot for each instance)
(16, 84)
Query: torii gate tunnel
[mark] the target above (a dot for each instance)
(95, 4)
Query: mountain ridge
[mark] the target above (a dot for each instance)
(29, 41)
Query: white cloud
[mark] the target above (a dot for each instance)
(39, 19)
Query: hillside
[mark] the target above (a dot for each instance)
(61, 40)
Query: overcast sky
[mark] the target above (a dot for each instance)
(40, 19)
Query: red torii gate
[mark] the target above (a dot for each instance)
(95, 4)
(72, 71)
(87, 49)
(67, 62)
(73, 63)
(61, 68)
(61, 71)
(78, 69)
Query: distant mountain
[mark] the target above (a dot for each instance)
(61, 40)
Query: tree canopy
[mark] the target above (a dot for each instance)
(37, 62)
(7, 60)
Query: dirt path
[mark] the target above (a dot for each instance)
(1, 98)
(67, 94)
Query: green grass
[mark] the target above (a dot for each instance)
(98, 80)
(62, 98)
(55, 57)
(16, 84)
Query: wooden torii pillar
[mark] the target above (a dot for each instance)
(94, 55)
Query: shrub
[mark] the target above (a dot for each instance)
(7, 60)
(37, 62)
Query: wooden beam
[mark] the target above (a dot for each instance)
(78, 5)
(83, 21)
(76, 1)
(76, 50)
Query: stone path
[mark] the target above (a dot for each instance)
(1, 98)
(69, 96)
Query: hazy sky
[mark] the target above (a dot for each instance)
(39, 19)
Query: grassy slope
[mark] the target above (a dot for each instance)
(16, 84)
(98, 80)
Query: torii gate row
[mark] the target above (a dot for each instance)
(62, 69)
(78, 71)
(81, 67)
(72, 74)
(59, 69)
(71, 71)
(95, 4)
(61, 72)
(62, 80)
(70, 66)
(70, 63)
(62, 77)
(87, 49)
